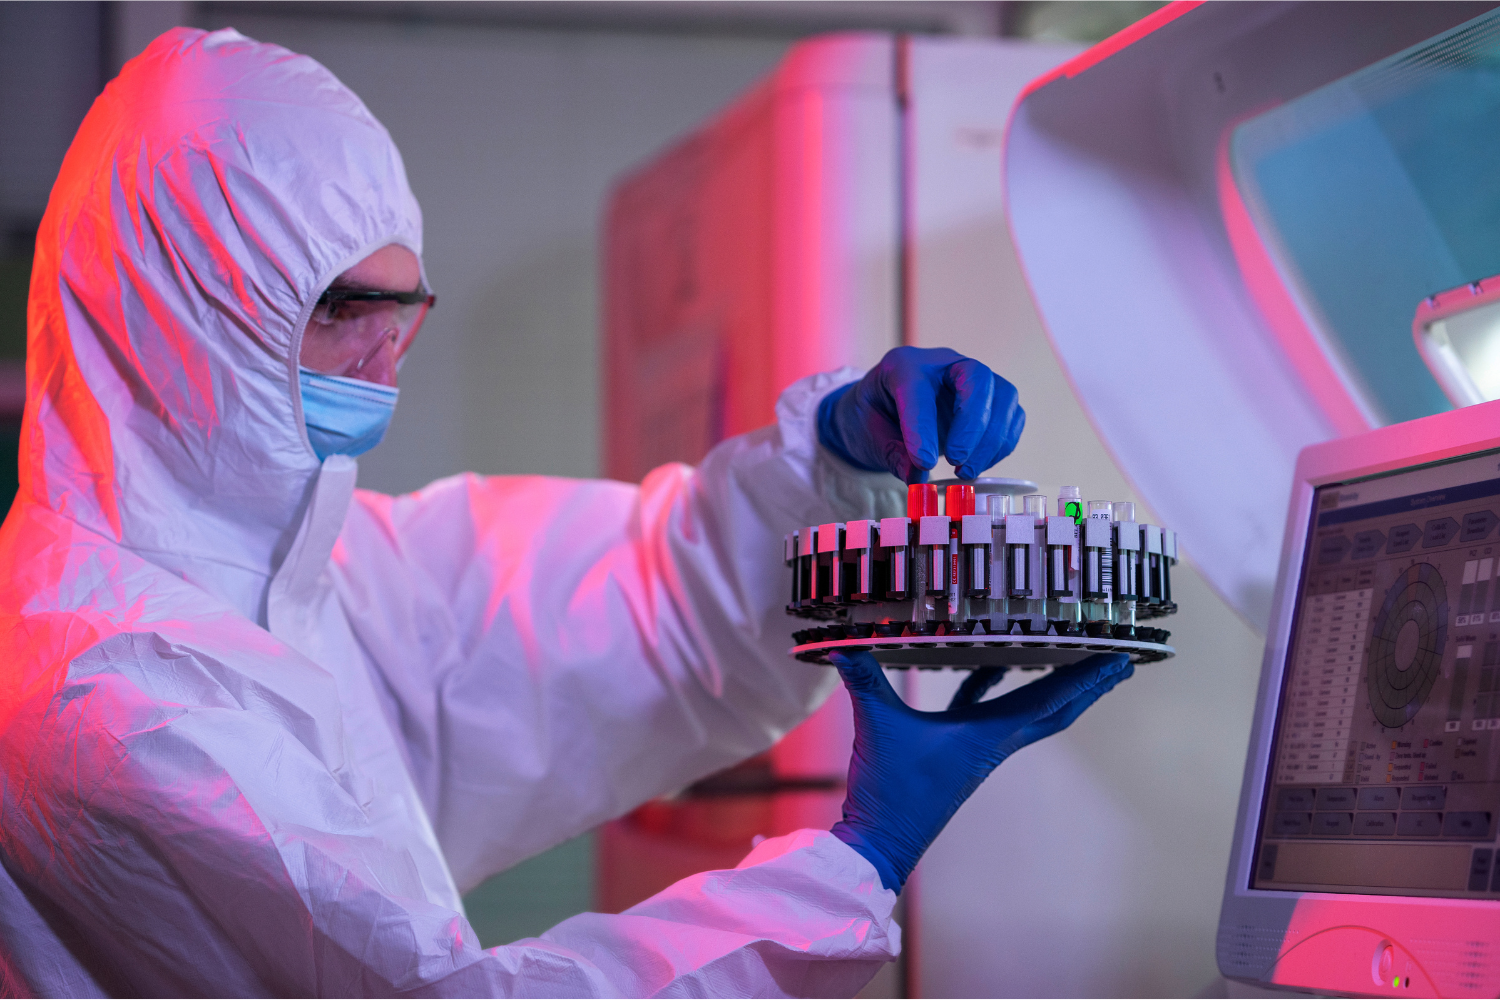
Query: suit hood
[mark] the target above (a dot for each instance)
(213, 191)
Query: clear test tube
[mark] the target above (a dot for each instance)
(1127, 564)
(975, 543)
(1063, 603)
(1098, 562)
(1070, 503)
(1000, 506)
(1035, 506)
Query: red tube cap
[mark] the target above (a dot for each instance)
(921, 500)
(960, 501)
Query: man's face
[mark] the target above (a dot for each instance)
(364, 338)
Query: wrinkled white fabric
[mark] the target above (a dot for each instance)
(258, 728)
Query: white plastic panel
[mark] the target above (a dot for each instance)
(1203, 387)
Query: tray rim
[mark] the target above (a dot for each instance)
(1092, 643)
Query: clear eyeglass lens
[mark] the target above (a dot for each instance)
(353, 331)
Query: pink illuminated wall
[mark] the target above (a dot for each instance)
(754, 252)
(758, 250)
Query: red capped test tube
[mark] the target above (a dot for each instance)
(960, 501)
(921, 501)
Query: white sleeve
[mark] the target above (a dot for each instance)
(555, 652)
(193, 831)
(802, 916)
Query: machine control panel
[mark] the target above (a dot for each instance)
(1385, 772)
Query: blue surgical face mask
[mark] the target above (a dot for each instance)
(344, 416)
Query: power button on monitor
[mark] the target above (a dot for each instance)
(1383, 968)
(1383, 964)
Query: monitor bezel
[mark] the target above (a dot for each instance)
(1399, 447)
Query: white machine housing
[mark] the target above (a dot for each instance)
(1203, 365)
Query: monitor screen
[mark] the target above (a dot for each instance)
(1385, 767)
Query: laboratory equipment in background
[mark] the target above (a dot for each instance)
(963, 581)
(1216, 201)
(1320, 180)
(1364, 857)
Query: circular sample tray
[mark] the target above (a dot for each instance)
(971, 652)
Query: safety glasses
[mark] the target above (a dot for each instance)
(351, 327)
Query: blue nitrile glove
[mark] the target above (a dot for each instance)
(919, 403)
(911, 770)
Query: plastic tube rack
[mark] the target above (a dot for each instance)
(966, 573)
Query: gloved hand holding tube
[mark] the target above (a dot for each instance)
(919, 403)
(911, 770)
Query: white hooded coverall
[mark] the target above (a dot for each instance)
(258, 728)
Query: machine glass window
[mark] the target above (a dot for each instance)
(1385, 769)
(1377, 191)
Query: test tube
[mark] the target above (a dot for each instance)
(928, 578)
(894, 558)
(1169, 559)
(1020, 545)
(833, 582)
(1035, 505)
(861, 560)
(807, 566)
(1149, 593)
(790, 546)
(958, 504)
(1062, 558)
(1000, 506)
(960, 501)
(1070, 503)
(975, 542)
(1098, 562)
(1127, 568)
(921, 501)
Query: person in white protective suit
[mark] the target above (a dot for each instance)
(259, 729)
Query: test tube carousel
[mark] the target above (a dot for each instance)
(970, 579)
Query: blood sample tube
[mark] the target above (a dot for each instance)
(933, 541)
(1098, 562)
(1000, 508)
(1035, 594)
(958, 504)
(1062, 558)
(1168, 560)
(977, 542)
(790, 544)
(833, 582)
(1070, 503)
(807, 566)
(960, 501)
(861, 560)
(921, 502)
(895, 558)
(1127, 567)
(1149, 593)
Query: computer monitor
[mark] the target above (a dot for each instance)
(1364, 858)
